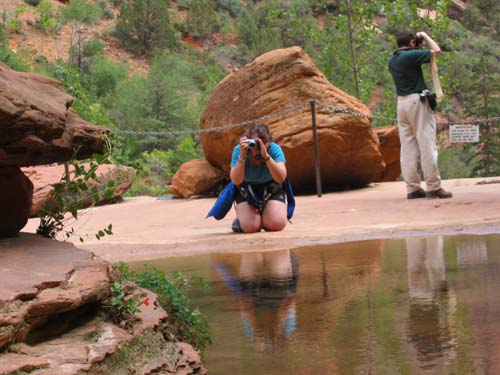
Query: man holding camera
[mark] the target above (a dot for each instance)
(417, 124)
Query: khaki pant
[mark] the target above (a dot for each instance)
(417, 133)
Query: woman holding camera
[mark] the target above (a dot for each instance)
(258, 170)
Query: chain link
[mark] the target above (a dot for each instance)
(286, 111)
(354, 113)
(264, 118)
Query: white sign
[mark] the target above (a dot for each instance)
(464, 133)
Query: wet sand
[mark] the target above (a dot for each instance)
(147, 228)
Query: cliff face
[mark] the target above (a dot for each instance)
(51, 294)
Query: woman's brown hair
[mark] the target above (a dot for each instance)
(262, 132)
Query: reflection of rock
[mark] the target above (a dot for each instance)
(36, 125)
(16, 192)
(471, 252)
(275, 81)
(390, 147)
(195, 177)
(45, 177)
(50, 300)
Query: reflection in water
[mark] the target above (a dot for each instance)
(265, 287)
(428, 325)
(415, 306)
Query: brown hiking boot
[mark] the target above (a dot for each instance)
(420, 193)
(439, 193)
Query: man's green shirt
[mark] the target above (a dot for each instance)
(406, 69)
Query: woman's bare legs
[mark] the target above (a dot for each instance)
(274, 216)
(249, 217)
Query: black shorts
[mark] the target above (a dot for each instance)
(279, 196)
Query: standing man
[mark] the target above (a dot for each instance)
(417, 125)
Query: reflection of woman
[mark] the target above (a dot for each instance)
(258, 169)
(265, 289)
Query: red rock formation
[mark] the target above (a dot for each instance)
(16, 192)
(36, 125)
(274, 82)
(456, 9)
(45, 287)
(195, 177)
(390, 147)
(44, 178)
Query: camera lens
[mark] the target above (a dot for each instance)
(252, 143)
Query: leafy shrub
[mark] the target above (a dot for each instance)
(185, 323)
(93, 47)
(46, 17)
(84, 104)
(144, 25)
(155, 168)
(67, 197)
(104, 75)
(9, 57)
(120, 306)
(14, 24)
(202, 19)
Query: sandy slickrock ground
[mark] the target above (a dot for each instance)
(146, 228)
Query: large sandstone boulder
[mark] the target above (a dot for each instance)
(45, 177)
(195, 177)
(390, 147)
(270, 86)
(36, 125)
(16, 192)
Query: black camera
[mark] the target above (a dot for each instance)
(252, 143)
(419, 41)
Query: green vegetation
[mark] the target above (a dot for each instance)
(68, 197)
(185, 323)
(144, 25)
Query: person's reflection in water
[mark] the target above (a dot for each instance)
(428, 325)
(266, 288)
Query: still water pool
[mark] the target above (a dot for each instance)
(412, 306)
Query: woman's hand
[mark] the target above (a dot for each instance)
(263, 149)
(243, 147)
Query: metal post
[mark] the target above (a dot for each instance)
(316, 148)
(66, 171)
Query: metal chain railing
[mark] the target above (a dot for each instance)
(264, 118)
(330, 107)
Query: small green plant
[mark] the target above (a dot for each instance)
(46, 17)
(69, 195)
(121, 305)
(14, 24)
(185, 322)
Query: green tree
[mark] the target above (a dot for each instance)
(79, 13)
(202, 19)
(169, 99)
(144, 25)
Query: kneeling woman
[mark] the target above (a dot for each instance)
(258, 170)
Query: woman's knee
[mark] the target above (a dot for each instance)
(274, 224)
(251, 226)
